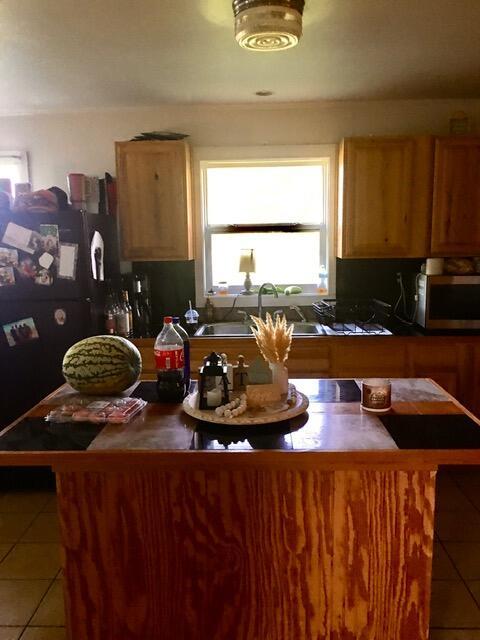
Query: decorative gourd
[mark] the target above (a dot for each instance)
(102, 365)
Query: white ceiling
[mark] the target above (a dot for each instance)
(76, 54)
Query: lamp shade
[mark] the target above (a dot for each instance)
(247, 261)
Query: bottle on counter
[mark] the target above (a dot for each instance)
(123, 317)
(186, 350)
(128, 307)
(322, 286)
(142, 317)
(209, 311)
(110, 313)
(170, 363)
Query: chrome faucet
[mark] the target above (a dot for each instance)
(260, 292)
(301, 315)
(278, 313)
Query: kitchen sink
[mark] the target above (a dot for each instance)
(224, 329)
(241, 329)
(307, 329)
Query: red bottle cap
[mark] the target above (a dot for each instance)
(167, 320)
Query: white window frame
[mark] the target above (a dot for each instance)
(204, 157)
(22, 158)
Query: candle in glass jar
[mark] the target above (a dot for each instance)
(214, 398)
(376, 395)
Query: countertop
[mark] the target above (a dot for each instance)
(334, 427)
(397, 330)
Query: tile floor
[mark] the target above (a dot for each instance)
(31, 600)
(31, 604)
(455, 609)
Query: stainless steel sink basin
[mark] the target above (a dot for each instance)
(224, 329)
(240, 329)
(307, 329)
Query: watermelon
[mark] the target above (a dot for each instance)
(102, 365)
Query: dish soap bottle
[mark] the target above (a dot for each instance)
(322, 286)
(209, 311)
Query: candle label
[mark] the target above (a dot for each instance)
(376, 397)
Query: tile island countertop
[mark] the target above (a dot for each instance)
(334, 424)
(320, 528)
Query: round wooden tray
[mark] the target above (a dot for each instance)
(275, 413)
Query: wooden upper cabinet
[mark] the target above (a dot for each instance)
(154, 200)
(385, 196)
(456, 197)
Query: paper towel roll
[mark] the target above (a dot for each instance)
(434, 266)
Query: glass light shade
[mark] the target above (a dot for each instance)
(247, 261)
(268, 28)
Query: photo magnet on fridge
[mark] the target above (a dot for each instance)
(50, 238)
(20, 331)
(27, 268)
(7, 276)
(67, 266)
(21, 238)
(8, 257)
(44, 277)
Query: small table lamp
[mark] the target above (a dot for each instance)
(247, 266)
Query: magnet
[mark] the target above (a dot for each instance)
(20, 331)
(45, 260)
(60, 316)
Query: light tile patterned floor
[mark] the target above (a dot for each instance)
(455, 610)
(31, 602)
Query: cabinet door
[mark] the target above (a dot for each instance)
(447, 361)
(385, 197)
(154, 200)
(369, 357)
(456, 197)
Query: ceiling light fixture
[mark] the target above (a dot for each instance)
(268, 25)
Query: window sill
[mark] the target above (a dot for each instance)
(268, 300)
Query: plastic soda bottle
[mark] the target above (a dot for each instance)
(170, 363)
(186, 350)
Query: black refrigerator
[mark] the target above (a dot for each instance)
(49, 297)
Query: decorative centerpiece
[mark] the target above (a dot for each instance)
(261, 393)
(274, 340)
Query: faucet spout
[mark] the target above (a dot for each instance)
(301, 315)
(264, 286)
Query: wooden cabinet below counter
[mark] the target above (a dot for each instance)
(453, 362)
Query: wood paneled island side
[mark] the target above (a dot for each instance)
(319, 528)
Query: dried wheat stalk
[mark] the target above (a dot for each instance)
(274, 339)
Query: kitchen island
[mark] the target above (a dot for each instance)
(316, 528)
(451, 360)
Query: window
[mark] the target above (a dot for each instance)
(274, 201)
(13, 167)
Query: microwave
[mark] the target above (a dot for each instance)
(448, 302)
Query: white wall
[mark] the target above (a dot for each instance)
(83, 141)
